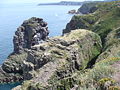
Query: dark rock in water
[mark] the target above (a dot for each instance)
(30, 33)
(72, 11)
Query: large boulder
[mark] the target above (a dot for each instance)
(30, 33)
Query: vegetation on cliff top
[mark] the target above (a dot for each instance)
(104, 19)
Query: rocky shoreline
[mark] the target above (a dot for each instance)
(31, 32)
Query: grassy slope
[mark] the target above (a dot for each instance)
(109, 19)
(104, 20)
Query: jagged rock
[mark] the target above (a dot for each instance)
(30, 33)
(62, 56)
(13, 64)
(9, 77)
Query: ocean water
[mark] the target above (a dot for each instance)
(13, 15)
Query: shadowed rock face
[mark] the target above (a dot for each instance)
(30, 33)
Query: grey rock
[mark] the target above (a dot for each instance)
(30, 33)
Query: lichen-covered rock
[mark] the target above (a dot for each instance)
(102, 76)
(14, 63)
(9, 77)
(12, 69)
(59, 57)
(30, 33)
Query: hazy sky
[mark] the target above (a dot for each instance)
(34, 1)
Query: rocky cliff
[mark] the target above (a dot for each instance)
(80, 59)
(31, 32)
(105, 22)
(59, 58)
(56, 57)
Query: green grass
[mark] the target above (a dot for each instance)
(105, 19)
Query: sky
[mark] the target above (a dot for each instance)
(34, 1)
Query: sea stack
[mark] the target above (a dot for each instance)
(30, 33)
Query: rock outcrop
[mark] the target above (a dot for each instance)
(79, 59)
(30, 33)
(105, 73)
(59, 57)
(72, 11)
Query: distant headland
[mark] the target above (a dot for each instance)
(63, 3)
(74, 3)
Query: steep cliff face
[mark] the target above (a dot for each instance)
(60, 56)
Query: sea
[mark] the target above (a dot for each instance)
(13, 15)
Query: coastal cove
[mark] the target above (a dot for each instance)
(12, 17)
